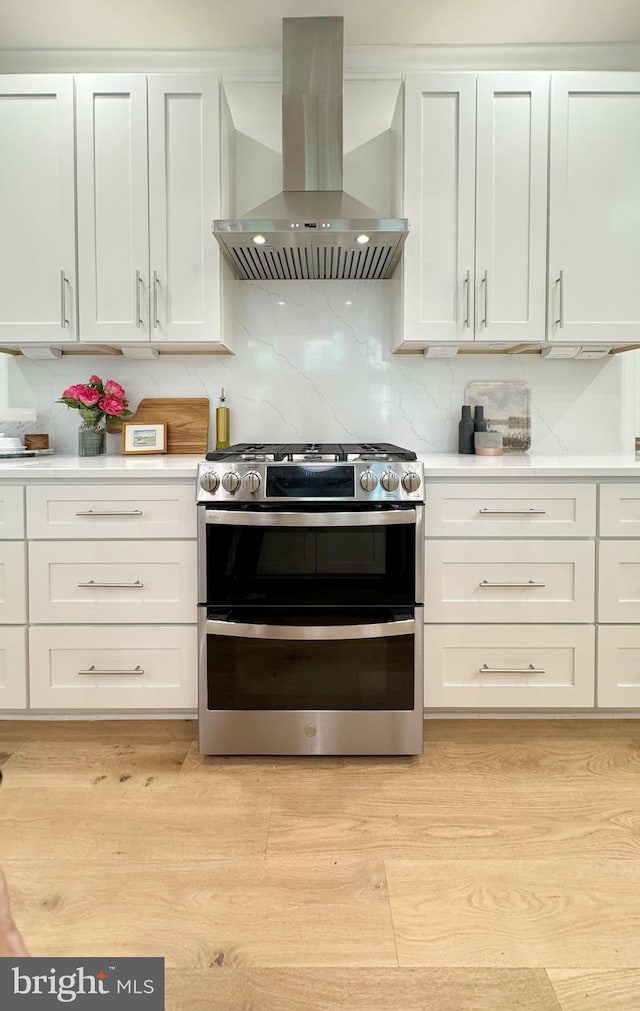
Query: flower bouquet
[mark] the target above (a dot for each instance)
(95, 401)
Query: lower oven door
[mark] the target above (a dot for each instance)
(321, 683)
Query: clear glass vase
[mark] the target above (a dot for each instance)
(91, 440)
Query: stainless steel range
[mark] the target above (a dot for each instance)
(310, 600)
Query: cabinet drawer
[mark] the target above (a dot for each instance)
(517, 666)
(146, 667)
(620, 510)
(11, 513)
(13, 667)
(520, 581)
(112, 581)
(13, 590)
(111, 511)
(619, 581)
(619, 666)
(518, 509)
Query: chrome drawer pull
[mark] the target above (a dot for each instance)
(513, 512)
(129, 586)
(511, 670)
(110, 512)
(94, 670)
(531, 582)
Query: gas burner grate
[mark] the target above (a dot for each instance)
(311, 452)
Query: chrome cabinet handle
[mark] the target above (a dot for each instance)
(139, 320)
(467, 286)
(156, 282)
(94, 670)
(64, 281)
(91, 583)
(513, 512)
(241, 630)
(511, 670)
(485, 284)
(252, 519)
(560, 283)
(110, 512)
(530, 582)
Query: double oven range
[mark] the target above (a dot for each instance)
(310, 600)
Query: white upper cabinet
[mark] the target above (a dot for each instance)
(113, 222)
(476, 199)
(148, 191)
(184, 198)
(37, 210)
(594, 213)
(511, 206)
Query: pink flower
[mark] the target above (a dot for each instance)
(87, 395)
(114, 389)
(72, 392)
(94, 381)
(112, 406)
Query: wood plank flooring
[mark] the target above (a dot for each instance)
(498, 871)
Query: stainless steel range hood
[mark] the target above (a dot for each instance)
(312, 229)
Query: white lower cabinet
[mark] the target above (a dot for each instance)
(13, 585)
(618, 666)
(13, 667)
(510, 587)
(112, 581)
(514, 581)
(511, 667)
(113, 667)
(112, 596)
(619, 586)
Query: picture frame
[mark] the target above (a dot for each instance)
(143, 437)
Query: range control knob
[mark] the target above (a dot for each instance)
(230, 482)
(390, 481)
(368, 480)
(209, 480)
(411, 481)
(252, 481)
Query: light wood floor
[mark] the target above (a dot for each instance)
(500, 871)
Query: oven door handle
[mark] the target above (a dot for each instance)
(242, 630)
(304, 519)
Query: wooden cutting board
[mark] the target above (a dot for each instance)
(187, 421)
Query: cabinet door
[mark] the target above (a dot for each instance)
(511, 206)
(113, 217)
(594, 210)
(501, 667)
(37, 210)
(439, 177)
(184, 198)
(13, 667)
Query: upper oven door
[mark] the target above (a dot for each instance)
(311, 557)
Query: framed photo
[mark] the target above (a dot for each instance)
(142, 437)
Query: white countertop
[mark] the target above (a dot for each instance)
(179, 467)
(98, 468)
(512, 465)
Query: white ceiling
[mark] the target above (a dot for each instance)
(217, 24)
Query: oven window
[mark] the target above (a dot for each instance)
(315, 565)
(345, 674)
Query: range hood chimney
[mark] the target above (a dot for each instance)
(312, 230)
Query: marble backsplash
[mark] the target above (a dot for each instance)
(313, 362)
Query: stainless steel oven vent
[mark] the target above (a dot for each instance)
(313, 229)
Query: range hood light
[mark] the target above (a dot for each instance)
(259, 240)
(362, 239)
